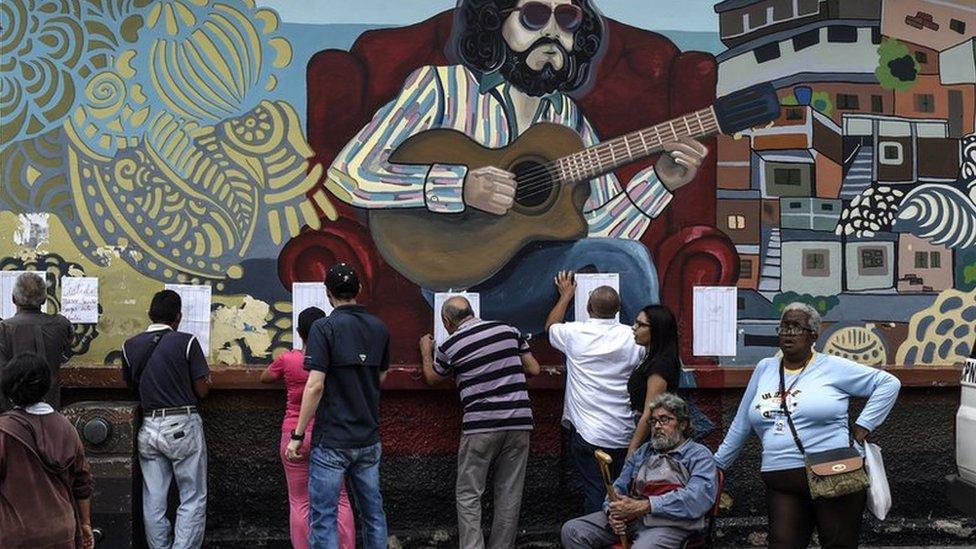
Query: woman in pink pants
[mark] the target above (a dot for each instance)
(288, 366)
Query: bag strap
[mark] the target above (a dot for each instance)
(785, 408)
(137, 373)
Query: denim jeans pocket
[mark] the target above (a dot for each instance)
(179, 437)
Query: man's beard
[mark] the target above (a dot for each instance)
(666, 442)
(530, 81)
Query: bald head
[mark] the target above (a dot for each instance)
(604, 302)
(456, 310)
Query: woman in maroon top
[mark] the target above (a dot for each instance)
(288, 366)
(45, 482)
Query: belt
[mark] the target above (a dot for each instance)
(176, 411)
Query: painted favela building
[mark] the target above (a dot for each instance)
(860, 199)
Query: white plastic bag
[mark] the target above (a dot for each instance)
(879, 495)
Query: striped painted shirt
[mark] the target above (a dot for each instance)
(453, 97)
(485, 359)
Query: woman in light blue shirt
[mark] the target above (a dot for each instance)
(818, 392)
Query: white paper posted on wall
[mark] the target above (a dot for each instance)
(79, 299)
(303, 296)
(585, 284)
(7, 280)
(196, 311)
(715, 312)
(440, 332)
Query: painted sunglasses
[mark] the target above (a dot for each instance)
(536, 15)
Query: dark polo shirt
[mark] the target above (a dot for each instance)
(177, 361)
(352, 347)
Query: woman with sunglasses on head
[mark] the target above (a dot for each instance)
(794, 430)
(659, 371)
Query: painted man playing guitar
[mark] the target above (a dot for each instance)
(437, 218)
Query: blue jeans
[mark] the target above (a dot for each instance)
(361, 466)
(522, 294)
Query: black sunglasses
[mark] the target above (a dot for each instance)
(536, 15)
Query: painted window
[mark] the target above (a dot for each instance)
(745, 271)
(843, 34)
(767, 52)
(921, 260)
(794, 114)
(921, 57)
(892, 153)
(873, 261)
(827, 207)
(875, 35)
(847, 101)
(877, 103)
(816, 262)
(958, 26)
(806, 39)
(935, 260)
(737, 222)
(787, 176)
(924, 102)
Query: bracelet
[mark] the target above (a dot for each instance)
(296, 436)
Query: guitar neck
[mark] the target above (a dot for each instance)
(609, 155)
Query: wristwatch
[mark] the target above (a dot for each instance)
(296, 436)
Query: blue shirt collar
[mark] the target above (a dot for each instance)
(492, 80)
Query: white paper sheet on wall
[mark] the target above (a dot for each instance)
(303, 296)
(440, 332)
(715, 313)
(196, 311)
(79, 299)
(7, 280)
(585, 284)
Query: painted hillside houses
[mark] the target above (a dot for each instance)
(864, 187)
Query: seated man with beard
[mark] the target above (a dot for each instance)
(518, 63)
(664, 491)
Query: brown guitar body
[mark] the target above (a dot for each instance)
(442, 251)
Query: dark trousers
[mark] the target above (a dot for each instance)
(593, 488)
(793, 514)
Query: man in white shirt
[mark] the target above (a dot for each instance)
(600, 356)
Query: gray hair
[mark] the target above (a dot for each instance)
(813, 317)
(676, 406)
(456, 309)
(30, 291)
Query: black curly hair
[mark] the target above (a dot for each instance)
(477, 43)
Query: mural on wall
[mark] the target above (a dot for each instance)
(222, 143)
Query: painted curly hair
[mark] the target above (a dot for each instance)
(477, 42)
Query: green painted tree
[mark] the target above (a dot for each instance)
(897, 69)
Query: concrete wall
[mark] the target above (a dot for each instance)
(420, 431)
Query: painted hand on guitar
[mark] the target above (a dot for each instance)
(490, 189)
(679, 164)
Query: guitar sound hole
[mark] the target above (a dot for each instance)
(534, 183)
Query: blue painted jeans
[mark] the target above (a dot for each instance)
(522, 294)
(361, 466)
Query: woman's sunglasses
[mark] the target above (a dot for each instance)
(536, 15)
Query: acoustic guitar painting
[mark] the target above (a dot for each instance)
(552, 169)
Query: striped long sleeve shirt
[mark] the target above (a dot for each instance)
(452, 97)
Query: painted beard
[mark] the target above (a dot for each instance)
(664, 442)
(518, 73)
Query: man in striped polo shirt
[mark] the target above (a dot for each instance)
(489, 362)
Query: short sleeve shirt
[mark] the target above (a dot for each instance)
(167, 380)
(351, 346)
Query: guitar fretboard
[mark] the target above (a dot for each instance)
(610, 155)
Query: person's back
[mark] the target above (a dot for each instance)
(484, 357)
(356, 353)
(489, 362)
(31, 330)
(170, 372)
(351, 348)
(45, 481)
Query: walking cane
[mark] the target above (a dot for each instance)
(604, 460)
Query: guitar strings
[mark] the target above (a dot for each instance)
(542, 175)
(538, 179)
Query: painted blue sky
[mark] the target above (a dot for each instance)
(686, 15)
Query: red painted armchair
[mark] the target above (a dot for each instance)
(643, 79)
